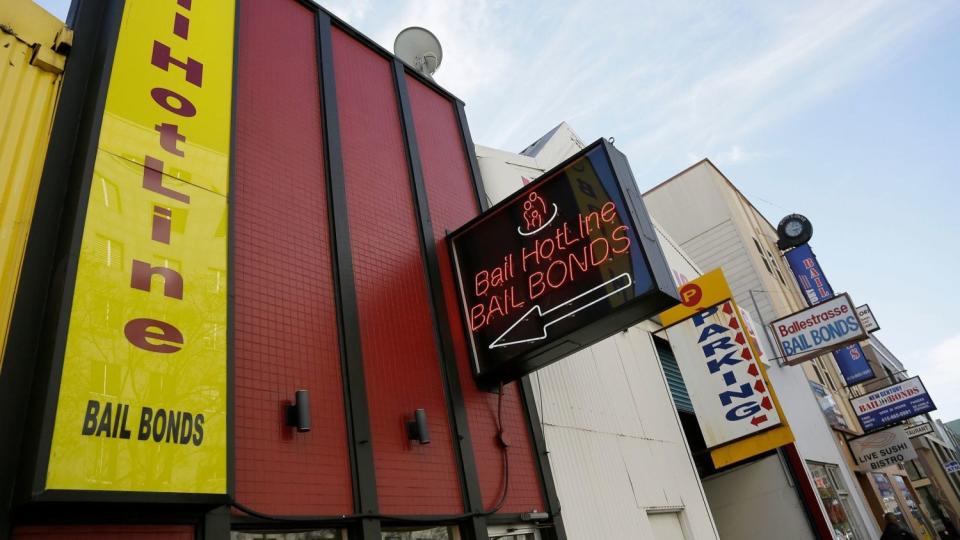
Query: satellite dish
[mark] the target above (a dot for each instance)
(419, 48)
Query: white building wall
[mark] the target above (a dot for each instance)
(758, 501)
(705, 215)
(616, 447)
(617, 450)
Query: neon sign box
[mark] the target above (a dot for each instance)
(568, 260)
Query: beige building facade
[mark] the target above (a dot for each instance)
(717, 226)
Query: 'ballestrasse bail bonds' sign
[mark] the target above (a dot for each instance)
(567, 261)
(819, 329)
(891, 404)
(810, 277)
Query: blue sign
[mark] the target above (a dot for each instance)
(891, 404)
(853, 364)
(850, 359)
(952, 466)
(809, 275)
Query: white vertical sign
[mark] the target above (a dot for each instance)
(722, 375)
(867, 319)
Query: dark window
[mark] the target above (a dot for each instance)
(678, 389)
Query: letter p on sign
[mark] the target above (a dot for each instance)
(691, 294)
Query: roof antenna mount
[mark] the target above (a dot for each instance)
(420, 48)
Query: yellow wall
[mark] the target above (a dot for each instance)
(29, 87)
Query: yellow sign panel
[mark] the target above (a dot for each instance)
(696, 296)
(706, 291)
(142, 404)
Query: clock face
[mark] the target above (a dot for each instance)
(793, 228)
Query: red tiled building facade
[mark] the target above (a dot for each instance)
(348, 169)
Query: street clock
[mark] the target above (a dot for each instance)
(792, 231)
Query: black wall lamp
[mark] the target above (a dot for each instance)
(417, 428)
(298, 414)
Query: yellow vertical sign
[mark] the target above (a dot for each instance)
(142, 403)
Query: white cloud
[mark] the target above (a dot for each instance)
(809, 53)
(475, 36)
(665, 79)
(737, 154)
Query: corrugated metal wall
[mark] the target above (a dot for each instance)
(30, 75)
(616, 447)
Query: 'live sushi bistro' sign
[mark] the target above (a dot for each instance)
(882, 449)
(567, 261)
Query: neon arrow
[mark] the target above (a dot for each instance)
(533, 324)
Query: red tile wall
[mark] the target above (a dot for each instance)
(105, 532)
(284, 313)
(401, 363)
(453, 203)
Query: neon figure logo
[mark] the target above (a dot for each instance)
(534, 211)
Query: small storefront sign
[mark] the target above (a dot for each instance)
(918, 430)
(829, 407)
(881, 449)
(952, 466)
(892, 403)
(867, 319)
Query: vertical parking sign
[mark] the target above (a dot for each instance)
(719, 363)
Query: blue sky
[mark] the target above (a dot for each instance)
(847, 112)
